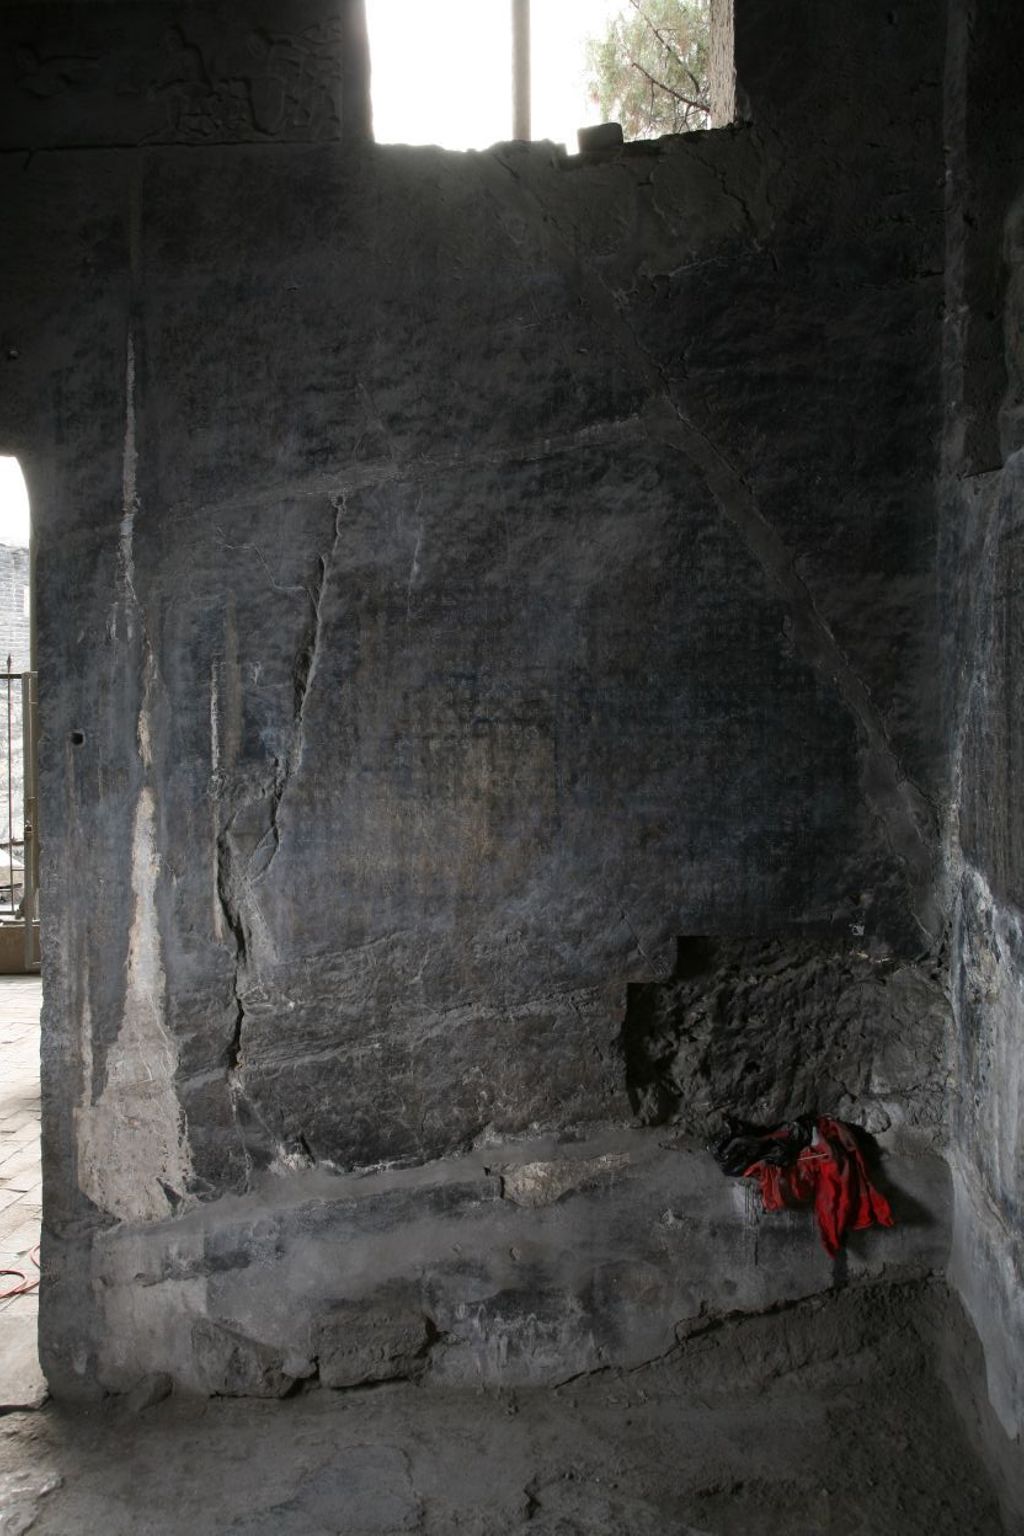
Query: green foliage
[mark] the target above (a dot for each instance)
(650, 70)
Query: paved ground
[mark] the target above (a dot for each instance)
(20, 1185)
(825, 1419)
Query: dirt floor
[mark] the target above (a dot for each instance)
(823, 1419)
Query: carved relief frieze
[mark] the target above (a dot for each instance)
(164, 75)
(287, 86)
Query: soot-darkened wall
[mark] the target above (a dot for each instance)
(470, 573)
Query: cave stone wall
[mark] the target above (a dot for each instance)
(459, 577)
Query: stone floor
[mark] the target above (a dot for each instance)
(21, 1384)
(823, 1419)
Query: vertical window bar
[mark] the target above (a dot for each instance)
(30, 856)
(521, 69)
(10, 787)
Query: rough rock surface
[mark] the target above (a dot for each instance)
(159, 73)
(498, 565)
(514, 1264)
(774, 1028)
(982, 521)
(231, 1364)
(381, 1340)
(830, 1417)
(458, 577)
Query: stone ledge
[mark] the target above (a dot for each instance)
(515, 1264)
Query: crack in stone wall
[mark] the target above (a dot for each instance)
(305, 670)
(245, 855)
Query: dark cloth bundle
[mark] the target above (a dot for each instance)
(807, 1161)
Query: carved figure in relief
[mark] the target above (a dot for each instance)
(296, 84)
(263, 85)
(184, 84)
(46, 77)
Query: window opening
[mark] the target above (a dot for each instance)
(650, 67)
(450, 73)
(440, 73)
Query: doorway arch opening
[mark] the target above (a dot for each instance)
(20, 988)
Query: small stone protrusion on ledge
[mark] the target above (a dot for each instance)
(601, 136)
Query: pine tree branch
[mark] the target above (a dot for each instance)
(669, 48)
(696, 82)
(687, 101)
(673, 53)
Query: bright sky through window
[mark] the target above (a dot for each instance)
(14, 516)
(442, 70)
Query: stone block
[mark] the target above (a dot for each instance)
(364, 1341)
(602, 136)
(230, 1364)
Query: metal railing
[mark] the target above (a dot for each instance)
(19, 849)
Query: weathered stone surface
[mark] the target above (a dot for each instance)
(340, 699)
(429, 1271)
(168, 73)
(988, 936)
(22, 1492)
(364, 1489)
(147, 1392)
(773, 1028)
(22, 1384)
(829, 1413)
(478, 572)
(229, 1364)
(358, 1342)
(982, 519)
(544, 1183)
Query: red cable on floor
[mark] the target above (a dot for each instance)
(27, 1286)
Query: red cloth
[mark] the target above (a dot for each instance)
(832, 1173)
